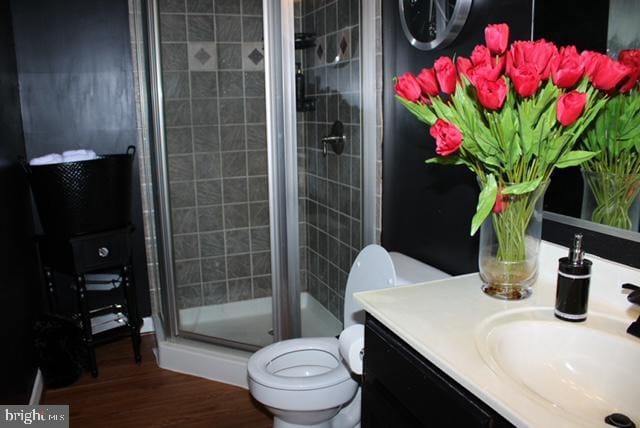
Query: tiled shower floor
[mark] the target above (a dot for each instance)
(250, 321)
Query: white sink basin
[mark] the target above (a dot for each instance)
(584, 371)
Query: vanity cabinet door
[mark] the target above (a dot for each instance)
(403, 389)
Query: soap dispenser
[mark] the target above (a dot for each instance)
(572, 292)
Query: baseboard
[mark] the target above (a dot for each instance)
(203, 360)
(37, 390)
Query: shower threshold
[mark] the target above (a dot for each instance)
(251, 321)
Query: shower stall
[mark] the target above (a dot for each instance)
(260, 126)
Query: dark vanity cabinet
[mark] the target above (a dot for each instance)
(403, 389)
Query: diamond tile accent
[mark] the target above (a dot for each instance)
(255, 56)
(343, 46)
(320, 51)
(202, 56)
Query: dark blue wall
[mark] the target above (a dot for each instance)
(19, 297)
(77, 89)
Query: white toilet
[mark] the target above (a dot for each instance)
(305, 382)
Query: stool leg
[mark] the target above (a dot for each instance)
(87, 335)
(132, 310)
(51, 290)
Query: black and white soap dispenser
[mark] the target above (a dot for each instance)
(574, 276)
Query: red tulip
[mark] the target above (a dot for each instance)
(630, 58)
(446, 74)
(464, 65)
(608, 74)
(591, 60)
(428, 83)
(485, 65)
(480, 55)
(497, 38)
(571, 107)
(408, 88)
(492, 95)
(567, 68)
(502, 202)
(630, 81)
(448, 137)
(539, 53)
(526, 80)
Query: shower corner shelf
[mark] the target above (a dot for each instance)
(305, 40)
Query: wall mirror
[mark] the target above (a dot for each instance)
(570, 195)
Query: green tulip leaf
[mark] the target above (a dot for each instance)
(522, 188)
(421, 111)
(486, 201)
(445, 160)
(573, 158)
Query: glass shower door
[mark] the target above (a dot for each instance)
(230, 284)
(213, 85)
(330, 180)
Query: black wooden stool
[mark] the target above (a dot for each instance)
(105, 252)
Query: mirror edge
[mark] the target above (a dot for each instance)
(609, 243)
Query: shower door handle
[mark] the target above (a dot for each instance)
(336, 139)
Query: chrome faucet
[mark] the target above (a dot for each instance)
(633, 297)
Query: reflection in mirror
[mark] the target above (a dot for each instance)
(427, 18)
(605, 195)
(624, 31)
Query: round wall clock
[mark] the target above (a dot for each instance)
(430, 24)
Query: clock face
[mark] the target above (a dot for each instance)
(429, 24)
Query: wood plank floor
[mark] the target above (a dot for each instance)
(130, 395)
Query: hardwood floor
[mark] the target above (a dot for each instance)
(144, 395)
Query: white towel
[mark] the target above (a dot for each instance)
(67, 156)
(78, 155)
(78, 152)
(49, 159)
(79, 158)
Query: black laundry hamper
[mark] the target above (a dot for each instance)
(77, 198)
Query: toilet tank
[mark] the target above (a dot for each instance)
(412, 271)
(375, 269)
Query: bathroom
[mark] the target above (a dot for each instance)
(258, 175)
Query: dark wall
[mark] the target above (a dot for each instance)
(19, 299)
(77, 91)
(427, 210)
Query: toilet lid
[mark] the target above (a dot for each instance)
(372, 270)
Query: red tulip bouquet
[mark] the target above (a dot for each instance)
(613, 175)
(511, 114)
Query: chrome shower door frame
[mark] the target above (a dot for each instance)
(279, 36)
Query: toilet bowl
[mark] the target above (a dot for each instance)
(306, 382)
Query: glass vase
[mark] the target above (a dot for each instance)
(611, 199)
(509, 245)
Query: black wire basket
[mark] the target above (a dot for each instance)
(76, 198)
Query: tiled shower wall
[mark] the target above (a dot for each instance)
(213, 84)
(333, 182)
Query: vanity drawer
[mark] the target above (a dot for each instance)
(412, 391)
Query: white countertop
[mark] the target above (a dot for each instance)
(439, 320)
